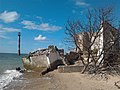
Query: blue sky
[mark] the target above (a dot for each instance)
(41, 22)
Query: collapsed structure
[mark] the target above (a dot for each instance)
(105, 48)
(105, 45)
(43, 59)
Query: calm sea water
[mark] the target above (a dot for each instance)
(10, 61)
(8, 64)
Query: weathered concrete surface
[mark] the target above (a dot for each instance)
(35, 64)
(71, 58)
(69, 69)
(43, 59)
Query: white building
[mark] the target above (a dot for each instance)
(107, 41)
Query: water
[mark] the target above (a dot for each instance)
(8, 64)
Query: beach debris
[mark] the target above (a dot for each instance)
(71, 58)
(69, 69)
(20, 70)
(117, 84)
(43, 59)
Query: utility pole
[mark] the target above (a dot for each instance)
(18, 43)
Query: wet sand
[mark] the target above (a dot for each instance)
(66, 81)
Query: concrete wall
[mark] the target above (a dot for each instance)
(69, 69)
(35, 63)
(106, 35)
(40, 61)
(100, 44)
(53, 56)
(46, 60)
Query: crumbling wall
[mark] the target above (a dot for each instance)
(44, 58)
(69, 69)
(71, 58)
(36, 63)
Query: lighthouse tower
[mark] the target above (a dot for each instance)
(18, 43)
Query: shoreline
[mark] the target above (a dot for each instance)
(66, 81)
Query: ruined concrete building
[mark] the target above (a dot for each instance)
(108, 35)
(43, 59)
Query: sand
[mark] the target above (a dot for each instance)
(67, 81)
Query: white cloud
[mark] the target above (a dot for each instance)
(8, 29)
(43, 26)
(4, 30)
(39, 17)
(3, 36)
(40, 38)
(8, 17)
(81, 3)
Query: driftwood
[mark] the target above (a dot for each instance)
(117, 84)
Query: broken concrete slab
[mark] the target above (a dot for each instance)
(69, 69)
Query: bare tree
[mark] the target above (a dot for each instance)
(96, 37)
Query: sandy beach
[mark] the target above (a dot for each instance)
(66, 81)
